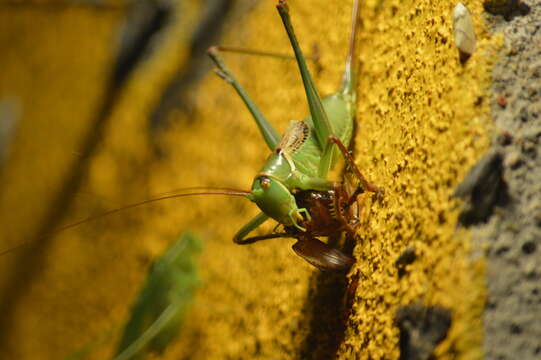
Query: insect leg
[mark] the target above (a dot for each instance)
(349, 159)
(269, 134)
(342, 202)
(240, 236)
(253, 239)
(322, 126)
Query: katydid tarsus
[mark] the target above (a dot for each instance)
(293, 187)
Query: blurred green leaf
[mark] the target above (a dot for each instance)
(159, 311)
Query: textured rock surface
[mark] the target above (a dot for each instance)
(512, 236)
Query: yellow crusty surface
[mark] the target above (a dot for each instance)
(421, 127)
(422, 122)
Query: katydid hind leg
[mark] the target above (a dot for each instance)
(323, 128)
(270, 135)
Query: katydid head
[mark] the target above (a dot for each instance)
(275, 200)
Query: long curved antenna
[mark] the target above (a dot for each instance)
(246, 51)
(228, 192)
(192, 188)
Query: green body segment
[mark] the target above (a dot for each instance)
(340, 112)
(282, 207)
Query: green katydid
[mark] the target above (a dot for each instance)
(302, 158)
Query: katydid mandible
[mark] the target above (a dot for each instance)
(296, 171)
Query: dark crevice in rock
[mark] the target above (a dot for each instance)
(422, 328)
(483, 189)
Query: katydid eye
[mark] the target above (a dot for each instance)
(265, 183)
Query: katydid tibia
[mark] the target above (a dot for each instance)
(293, 187)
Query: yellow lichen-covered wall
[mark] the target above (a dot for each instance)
(422, 123)
(420, 129)
(53, 70)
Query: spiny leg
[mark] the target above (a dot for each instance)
(353, 197)
(342, 203)
(269, 134)
(349, 159)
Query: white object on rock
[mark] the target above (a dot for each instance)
(463, 29)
